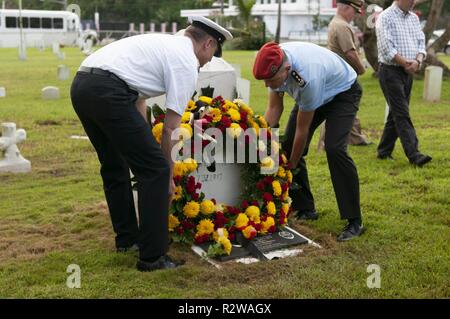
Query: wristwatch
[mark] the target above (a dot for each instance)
(420, 63)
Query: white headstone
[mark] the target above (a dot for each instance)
(433, 84)
(174, 27)
(131, 27)
(243, 90)
(13, 161)
(2, 92)
(63, 72)
(163, 27)
(50, 93)
(237, 69)
(55, 48)
(152, 27)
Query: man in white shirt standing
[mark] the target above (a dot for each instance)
(401, 50)
(108, 95)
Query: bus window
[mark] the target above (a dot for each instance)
(58, 23)
(46, 23)
(35, 23)
(25, 22)
(11, 22)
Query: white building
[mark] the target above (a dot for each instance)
(298, 17)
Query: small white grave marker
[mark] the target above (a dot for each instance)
(2, 92)
(13, 162)
(433, 84)
(63, 72)
(50, 93)
(55, 48)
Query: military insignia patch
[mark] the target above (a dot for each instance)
(301, 82)
(273, 69)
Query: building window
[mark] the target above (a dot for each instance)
(58, 23)
(35, 23)
(46, 23)
(25, 22)
(11, 22)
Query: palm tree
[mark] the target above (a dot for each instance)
(245, 11)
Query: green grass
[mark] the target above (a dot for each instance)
(56, 215)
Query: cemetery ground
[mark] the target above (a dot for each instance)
(56, 215)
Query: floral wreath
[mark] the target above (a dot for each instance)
(265, 204)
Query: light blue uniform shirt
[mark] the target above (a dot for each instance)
(324, 72)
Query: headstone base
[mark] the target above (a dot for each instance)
(19, 166)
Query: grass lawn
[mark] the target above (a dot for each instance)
(57, 216)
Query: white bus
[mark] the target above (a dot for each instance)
(40, 28)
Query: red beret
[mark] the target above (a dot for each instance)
(268, 61)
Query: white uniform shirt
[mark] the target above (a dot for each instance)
(152, 65)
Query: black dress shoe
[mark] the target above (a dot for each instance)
(163, 262)
(133, 248)
(421, 160)
(353, 229)
(307, 215)
(385, 157)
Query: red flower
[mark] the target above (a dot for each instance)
(272, 229)
(284, 187)
(244, 127)
(177, 180)
(220, 220)
(179, 230)
(195, 196)
(268, 180)
(225, 121)
(243, 116)
(267, 197)
(261, 186)
(255, 203)
(201, 239)
(245, 204)
(231, 236)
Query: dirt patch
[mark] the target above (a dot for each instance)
(20, 240)
(48, 123)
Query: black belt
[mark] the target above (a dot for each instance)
(108, 74)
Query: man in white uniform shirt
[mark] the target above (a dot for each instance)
(108, 95)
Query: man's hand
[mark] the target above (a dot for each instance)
(412, 66)
(274, 109)
(171, 122)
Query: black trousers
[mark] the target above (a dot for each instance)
(123, 141)
(339, 115)
(396, 85)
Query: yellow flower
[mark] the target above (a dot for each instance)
(262, 121)
(186, 130)
(216, 114)
(191, 106)
(235, 116)
(285, 196)
(157, 131)
(275, 147)
(173, 222)
(281, 172)
(255, 126)
(244, 107)
(186, 117)
(249, 232)
(271, 208)
(207, 207)
(177, 194)
(205, 227)
(230, 105)
(234, 130)
(191, 209)
(190, 165)
(284, 159)
(269, 222)
(285, 208)
(276, 188)
(289, 176)
(268, 163)
(224, 232)
(205, 99)
(179, 169)
(242, 220)
(226, 244)
(253, 213)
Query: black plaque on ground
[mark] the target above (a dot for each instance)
(283, 238)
